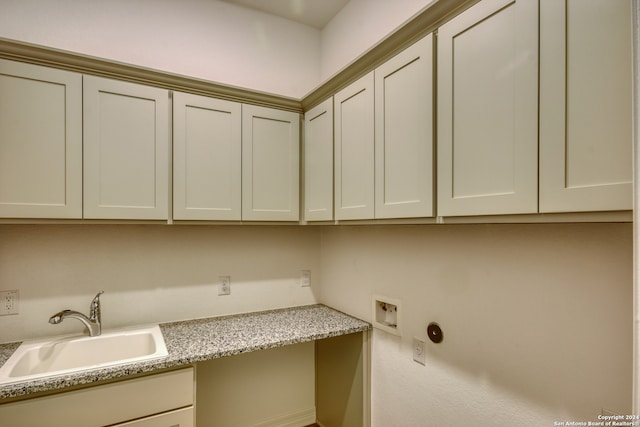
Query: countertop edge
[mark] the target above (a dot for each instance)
(238, 333)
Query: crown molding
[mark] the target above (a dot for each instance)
(71, 61)
(426, 21)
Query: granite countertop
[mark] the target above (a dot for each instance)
(205, 339)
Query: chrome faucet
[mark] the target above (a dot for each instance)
(92, 322)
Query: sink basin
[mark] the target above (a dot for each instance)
(70, 354)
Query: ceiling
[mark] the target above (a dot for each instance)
(315, 13)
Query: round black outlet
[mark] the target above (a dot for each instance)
(434, 332)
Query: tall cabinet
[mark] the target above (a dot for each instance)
(40, 142)
(585, 105)
(126, 150)
(488, 110)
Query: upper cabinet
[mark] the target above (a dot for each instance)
(585, 105)
(270, 164)
(532, 98)
(318, 162)
(233, 161)
(384, 139)
(207, 158)
(404, 181)
(488, 110)
(354, 150)
(126, 150)
(40, 142)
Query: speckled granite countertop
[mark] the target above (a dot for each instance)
(205, 339)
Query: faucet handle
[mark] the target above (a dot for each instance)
(94, 309)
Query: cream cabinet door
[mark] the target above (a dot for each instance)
(585, 105)
(126, 150)
(40, 142)
(318, 162)
(488, 110)
(207, 158)
(404, 133)
(354, 150)
(270, 164)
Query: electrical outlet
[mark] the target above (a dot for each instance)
(224, 288)
(9, 302)
(418, 351)
(305, 278)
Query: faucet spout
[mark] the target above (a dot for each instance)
(93, 327)
(92, 322)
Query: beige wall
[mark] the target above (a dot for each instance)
(210, 40)
(360, 25)
(149, 273)
(537, 319)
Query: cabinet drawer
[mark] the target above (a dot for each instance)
(180, 418)
(104, 405)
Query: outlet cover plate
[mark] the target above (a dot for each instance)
(305, 278)
(9, 302)
(224, 288)
(418, 351)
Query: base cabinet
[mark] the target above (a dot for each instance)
(155, 401)
(180, 418)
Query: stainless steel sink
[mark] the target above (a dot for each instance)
(69, 354)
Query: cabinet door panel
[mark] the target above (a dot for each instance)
(354, 150)
(404, 133)
(487, 110)
(270, 164)
(40, 142)
(318, 155)
(206, 158)
(126, 147)
(585, 105)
